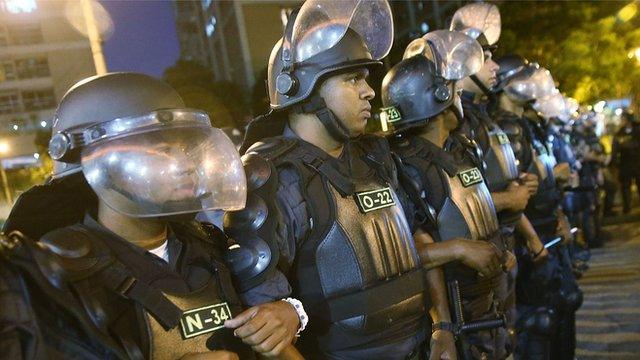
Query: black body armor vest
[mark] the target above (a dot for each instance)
(500, 163)
(107, 309)
(465, 208)
(534, 157)
(356, 270)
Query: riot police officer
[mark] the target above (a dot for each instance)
(324, 208)
(124, 272)
(510, 190)
(625, 156)
(548, 292)
(422, 106)
(592, 159)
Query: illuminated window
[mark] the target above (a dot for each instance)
(7, 70)
(38, 99)
(32, 68)
(4, 36)
(18, 6)
(9, 102)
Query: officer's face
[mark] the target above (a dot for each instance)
(347, 96)
(487, 74)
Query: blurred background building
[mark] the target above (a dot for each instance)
(234, 38)
(41, 56)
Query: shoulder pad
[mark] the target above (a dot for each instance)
(79, 253)
(257, 169)
(274, 147)
(254, 251)
(67, 242)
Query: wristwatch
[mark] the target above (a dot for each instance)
(442, 325)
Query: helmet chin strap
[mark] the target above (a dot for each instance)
(482, 87)
(316, 105)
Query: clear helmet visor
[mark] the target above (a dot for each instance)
(166, 170)
(552, 106)
(321, 24)
(544, 83)
(455, 54)
(527, 87)
(483, 18)
(571, 108)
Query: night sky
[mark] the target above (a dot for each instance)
(144, 39)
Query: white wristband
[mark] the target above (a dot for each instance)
(302, 315)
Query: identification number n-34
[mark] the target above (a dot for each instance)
(204, 320)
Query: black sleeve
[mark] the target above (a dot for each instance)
(293, 226)
(20, 337)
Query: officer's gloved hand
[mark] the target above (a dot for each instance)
(268, 328)
(481, 256)
(443, 346)
(211, 355)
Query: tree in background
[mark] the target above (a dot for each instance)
(198, 88)
(588, 46)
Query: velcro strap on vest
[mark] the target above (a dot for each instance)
(344, 186)
(118, 279)
(376, 298)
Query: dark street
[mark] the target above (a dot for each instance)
(609, 320)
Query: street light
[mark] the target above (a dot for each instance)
(4, 149)
(628, 12)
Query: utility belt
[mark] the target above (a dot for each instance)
(374, 299)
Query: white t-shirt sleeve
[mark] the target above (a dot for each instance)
(162, 251)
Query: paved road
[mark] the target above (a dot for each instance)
(608, 323)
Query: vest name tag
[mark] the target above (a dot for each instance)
(503, 139)
(470, 177)
(204, 320)
(375, 199)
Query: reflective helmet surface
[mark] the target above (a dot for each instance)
(144, 153)
(327, 37)
(454, 54)
(106, 97)
(510, 66)
(411, 95)
(480, 21)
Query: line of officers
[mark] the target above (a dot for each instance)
(446, 239)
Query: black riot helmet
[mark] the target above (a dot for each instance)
(482, 22)
(512, 66)
(322, 39)
(422, 85)
(142, 151)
